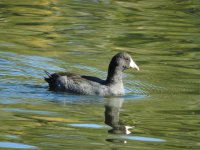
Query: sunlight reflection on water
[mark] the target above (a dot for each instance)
(16, 145)
(88, 125)
(140, 138)
(17, 110)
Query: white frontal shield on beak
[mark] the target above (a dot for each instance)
(133, 65)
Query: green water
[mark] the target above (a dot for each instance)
(162, 100)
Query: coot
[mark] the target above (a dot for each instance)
(88, 85)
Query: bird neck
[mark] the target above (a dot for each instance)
(114, 75)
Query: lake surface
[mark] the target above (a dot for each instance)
(161, 108)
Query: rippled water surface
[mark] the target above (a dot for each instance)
(161, 108)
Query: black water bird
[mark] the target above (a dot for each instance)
(88, 85)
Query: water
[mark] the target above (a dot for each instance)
(161, 107)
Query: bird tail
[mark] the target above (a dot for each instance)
(48, 74)
(47, 79)
(51, 79)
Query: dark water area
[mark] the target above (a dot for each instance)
(161, 107)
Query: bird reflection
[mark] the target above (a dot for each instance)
(112, 112)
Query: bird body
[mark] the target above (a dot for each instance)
(88, 85)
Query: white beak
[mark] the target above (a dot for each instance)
(133, 65)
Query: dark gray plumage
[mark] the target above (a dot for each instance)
(88, 85)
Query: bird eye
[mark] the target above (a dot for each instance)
(126, 59)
